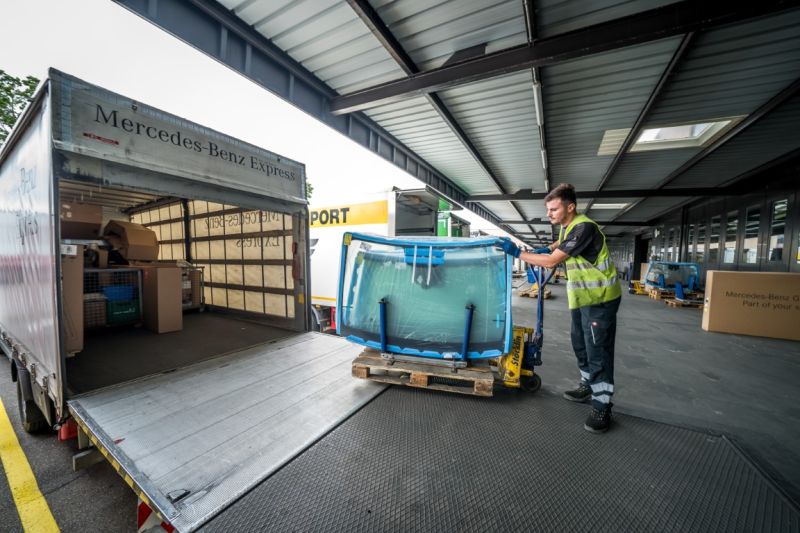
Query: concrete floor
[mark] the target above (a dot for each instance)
(669, 370)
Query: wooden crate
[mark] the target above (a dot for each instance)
(475, 381)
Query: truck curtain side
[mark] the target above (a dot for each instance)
(218, 385)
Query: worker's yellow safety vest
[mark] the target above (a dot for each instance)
(590, 283)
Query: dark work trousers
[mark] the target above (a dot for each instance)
(594, 328)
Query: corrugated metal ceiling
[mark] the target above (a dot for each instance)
(555, 17)
(433, 30)
(586, 97)
(499, 116)
(727, 72)
(417, 125)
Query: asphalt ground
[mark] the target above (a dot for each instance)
(93, 499)
(667, 370)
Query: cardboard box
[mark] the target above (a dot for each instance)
(72, 297)
(162, 298)
(764, 304)
(643, 270)
(102, 258)
(80, 221)
(133, 241)
(196, 283)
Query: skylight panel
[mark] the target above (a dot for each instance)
(610, 206)
(696, 134)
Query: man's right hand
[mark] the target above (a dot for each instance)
(508, 247)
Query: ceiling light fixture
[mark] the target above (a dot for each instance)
(537, 103)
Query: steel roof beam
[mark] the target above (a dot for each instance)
(544, 221)
(673, 19)
(528, 194)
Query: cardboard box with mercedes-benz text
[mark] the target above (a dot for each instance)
(764, 304)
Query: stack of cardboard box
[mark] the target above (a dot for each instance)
(161, 282)
(162, 291)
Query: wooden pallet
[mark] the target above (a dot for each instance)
(475, 381)
(533, 292)
(672, 302)
(657, 293)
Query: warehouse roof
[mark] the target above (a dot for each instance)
(642, 105)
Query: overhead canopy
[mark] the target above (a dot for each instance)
(494, 102)
(427, 197)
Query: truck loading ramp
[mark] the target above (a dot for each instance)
(194, 439)
(414, 460)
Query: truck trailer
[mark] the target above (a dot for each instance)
(154, 296)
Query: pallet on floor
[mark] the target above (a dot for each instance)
(657, 293)
(475, 381)
(672, 302)
(533, 292)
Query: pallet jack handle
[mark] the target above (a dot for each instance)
(542, 279)
(533, 349)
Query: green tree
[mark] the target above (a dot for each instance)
(15, 93)
(309, 188)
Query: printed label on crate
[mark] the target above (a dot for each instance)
(69, 249)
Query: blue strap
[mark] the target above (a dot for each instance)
(423, 257)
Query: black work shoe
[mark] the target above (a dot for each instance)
(582, 394)
(599, 420)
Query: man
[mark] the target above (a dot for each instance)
(594, 293)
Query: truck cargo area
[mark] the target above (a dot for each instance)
(116, 355)
(235, 302)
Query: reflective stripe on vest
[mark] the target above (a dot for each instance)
(599, 266)
(590, 283)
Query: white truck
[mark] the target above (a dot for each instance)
(194, 417)
(397, 212)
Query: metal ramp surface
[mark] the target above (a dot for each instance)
(414, 460)
(193, 440)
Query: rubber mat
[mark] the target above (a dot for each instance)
(416, 460)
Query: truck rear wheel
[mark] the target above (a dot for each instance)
(32, 419)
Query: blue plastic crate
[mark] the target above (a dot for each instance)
(119, 293)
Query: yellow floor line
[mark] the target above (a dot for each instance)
(34, 513)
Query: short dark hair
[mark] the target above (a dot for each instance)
(564, 192)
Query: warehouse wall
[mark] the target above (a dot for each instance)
(759, 231)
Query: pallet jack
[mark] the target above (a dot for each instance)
(514, 370)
